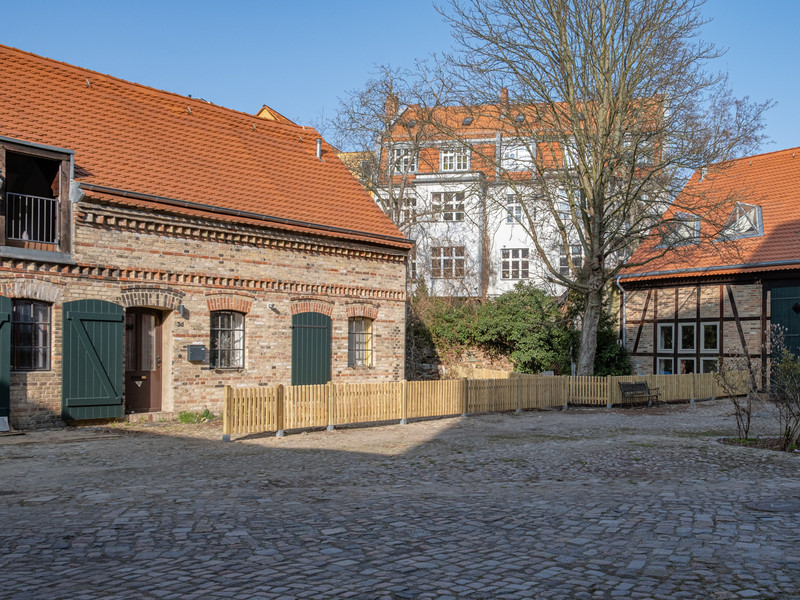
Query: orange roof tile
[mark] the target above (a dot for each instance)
(131, 137)
(771, 181)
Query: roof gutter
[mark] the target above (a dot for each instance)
(239, 213)
(773, 263)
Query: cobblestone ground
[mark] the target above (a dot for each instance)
(641, 503)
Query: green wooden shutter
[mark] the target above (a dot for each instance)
(92, 360)
(5, 356)
(786, 313)
(311, 348)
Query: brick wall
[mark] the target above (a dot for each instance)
(186, 269)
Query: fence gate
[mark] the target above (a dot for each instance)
(92, 360)
(311, 348)
(5, 358)
(786, 313)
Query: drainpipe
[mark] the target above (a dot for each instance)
(621, 310)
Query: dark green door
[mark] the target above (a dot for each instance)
(92, 363)
(311, 348)
(786, 313)
(5, 356)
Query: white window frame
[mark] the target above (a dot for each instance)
(359, 342)
(671, 360)
(703, 336)
(682, 230)
(454, 159)
(661, 346)
(744, 221)
(517, 157)
(515, 263)
(686, 359)
(513, 208)
(448, 206)
(404, 160)
(681, 327)
(705, 361)
(234, 352)
(448, 262)
(577, 259)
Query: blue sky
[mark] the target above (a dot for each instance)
(300, 57)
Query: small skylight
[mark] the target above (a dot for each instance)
(684, 228)
(745, 221)
(520, 118)
(412, 123)
(467, 121)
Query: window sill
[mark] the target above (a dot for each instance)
(37, 255)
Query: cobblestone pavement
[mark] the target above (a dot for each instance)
(581, 504)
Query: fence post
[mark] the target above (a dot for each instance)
(568, 392)
(518, 387)
(404, 402)
(609, 392)
(465, 393)
(279, 410)
(226, 420)
(331, 406)
(694, 388)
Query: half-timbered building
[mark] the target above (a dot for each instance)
(716, 285)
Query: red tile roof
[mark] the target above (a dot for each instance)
(131, 137)
(771, 181)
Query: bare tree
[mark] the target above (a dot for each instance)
(612, 105)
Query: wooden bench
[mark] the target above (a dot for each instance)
(638, 391)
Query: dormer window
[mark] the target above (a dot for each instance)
(683, 228)
(453, 159)
(34, 204)
(745, 221)
(517, 157)
(405, 160)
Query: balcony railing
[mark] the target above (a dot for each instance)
(32, 218)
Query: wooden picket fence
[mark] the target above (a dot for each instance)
(278, 408)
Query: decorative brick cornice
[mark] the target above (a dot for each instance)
(152, 276)
(30, 287)
(122, 219)
(150, 295)
(303, 305)
(362, 309)
(236, 302)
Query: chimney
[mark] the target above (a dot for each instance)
(392, 106)
(504, 95)
(319, 148)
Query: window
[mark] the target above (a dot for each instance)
(686, 337)
(710, 335)
(682, 229)
(745, 221)
(404, 160)
(30, 335)
(36, 180)
(448, 204)
(516, 157)
(513, 208)
(453, 159)
(409, 211)
(227, 340)
(359, 342)
(665, 366)
(686, 366)
(447, 262)
(639, 152)
(515, 263)
(577, 260)
(709, 365)
(666, 337)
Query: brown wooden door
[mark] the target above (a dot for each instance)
(142, 360)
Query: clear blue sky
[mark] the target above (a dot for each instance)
(301, 56)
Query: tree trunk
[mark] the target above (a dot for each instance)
(591, 321)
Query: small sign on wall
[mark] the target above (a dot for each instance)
(196, 353)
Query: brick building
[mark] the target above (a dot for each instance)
(732, 272)
(155, 248)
